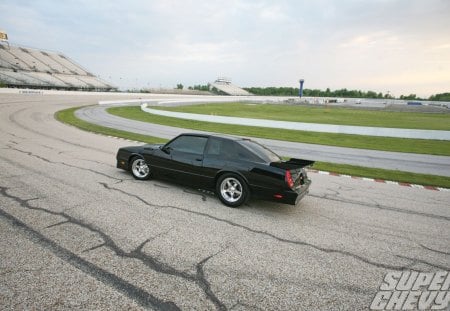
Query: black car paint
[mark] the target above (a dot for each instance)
(265, 180)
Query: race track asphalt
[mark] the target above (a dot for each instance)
(77, 233)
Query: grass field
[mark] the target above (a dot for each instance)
(323, 114)
(342, 140)
(67, 116)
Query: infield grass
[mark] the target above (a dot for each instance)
(323, 114)
(423, 146)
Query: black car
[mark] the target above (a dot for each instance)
(234, 168)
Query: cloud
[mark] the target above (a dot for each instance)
(350, 43)
(383, 39)
(180, 51)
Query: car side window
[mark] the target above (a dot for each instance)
(214, 147)
(220, 149)
(228, 149)
(189, 144)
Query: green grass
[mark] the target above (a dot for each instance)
(323, 114)
(67, 116)
(342, 140)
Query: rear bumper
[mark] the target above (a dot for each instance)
(294, 196)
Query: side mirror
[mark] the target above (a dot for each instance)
(166, 149)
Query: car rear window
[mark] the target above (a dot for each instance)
(264, 153)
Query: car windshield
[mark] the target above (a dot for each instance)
(262, 152)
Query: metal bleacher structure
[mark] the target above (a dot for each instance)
(225, 86)
(31, 68)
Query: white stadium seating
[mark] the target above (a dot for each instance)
(8, 56)
(49, 62)
(32, 68)
(6, 77)
(96, 82)
(22, 77)
(75, 69)
(224, 85)
(72, 80)
(49, 78)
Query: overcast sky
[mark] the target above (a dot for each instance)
(400, 46)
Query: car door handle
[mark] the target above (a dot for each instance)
(199, 159)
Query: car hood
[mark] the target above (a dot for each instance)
(152, 146)
(138, 149)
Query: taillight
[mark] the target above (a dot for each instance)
(288, 179)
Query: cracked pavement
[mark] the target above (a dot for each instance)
(77, 233)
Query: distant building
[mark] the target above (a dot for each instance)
(3, 36)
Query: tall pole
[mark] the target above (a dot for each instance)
(300, 91)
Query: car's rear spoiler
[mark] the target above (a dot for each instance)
(292, 164)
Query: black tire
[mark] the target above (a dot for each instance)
(232, 190)
(140, 169)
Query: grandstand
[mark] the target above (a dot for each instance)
(31, 68)
(225, 86)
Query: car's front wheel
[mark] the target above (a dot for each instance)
(140, 169)
(232, 190)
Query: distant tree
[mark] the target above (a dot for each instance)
(200, 87)
(440, 97)
(409, 97)
(290, 91)
(179, 86)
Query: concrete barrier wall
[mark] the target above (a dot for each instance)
(311, 127)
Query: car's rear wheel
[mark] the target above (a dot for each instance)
(140, 169)
(232, 190)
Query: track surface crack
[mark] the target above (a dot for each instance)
(265, 233)
(135, 293)
(333, 197)
(153, 263)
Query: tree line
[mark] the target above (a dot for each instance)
(440, 97)
(292, 91)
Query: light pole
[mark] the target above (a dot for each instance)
(300, 91)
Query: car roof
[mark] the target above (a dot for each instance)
(215, 135)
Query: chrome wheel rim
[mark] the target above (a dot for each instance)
(140, 168)
(231, 189)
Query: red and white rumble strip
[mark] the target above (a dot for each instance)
(379, 180)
